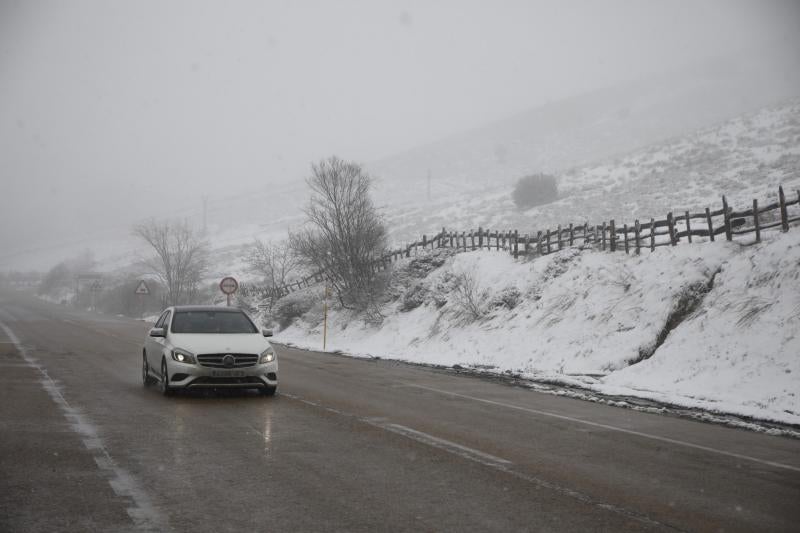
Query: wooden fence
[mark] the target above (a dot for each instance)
(706, 226)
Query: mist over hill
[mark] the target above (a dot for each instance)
(477, 166)
(745, 157)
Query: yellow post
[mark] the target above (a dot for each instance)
(325, 320)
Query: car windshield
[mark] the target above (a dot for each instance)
(212, 322)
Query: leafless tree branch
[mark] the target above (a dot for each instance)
(180, 258)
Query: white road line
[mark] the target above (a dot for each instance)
(143, 514)
(436, 442)
(609, 427)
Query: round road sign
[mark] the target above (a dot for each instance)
(228, 285)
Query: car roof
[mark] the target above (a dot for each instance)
(216, 308)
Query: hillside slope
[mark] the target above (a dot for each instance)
(743, 158)
(714, 325)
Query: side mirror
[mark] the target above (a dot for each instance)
(266, 332)
(158, 332)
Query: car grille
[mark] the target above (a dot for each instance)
(215, 360)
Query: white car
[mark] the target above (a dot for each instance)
(209, 347)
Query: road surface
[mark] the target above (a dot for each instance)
(349, 445)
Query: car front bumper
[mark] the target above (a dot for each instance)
(260, 376)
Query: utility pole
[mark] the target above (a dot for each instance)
(205, 215)
(429, 185)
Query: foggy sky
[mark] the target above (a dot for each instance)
(114, 111)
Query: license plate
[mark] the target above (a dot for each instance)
(227, 373)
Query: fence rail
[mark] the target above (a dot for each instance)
(705, 226)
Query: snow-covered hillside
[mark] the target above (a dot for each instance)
(744, 158)
(714, 325)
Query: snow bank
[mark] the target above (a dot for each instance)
(712, 325)
(740, 352)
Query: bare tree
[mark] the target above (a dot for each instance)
(469, 297)
(344, 235)
(274, 261)
(180, 258)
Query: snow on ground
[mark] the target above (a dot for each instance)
(597, 320)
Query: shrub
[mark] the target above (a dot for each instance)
(507, 298)
(538, 189)
(414, 297)
(293, 306)
(468, 296)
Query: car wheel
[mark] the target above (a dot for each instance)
(269, 391)
(165, 390)
(146, 379)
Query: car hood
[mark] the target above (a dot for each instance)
(200, 343)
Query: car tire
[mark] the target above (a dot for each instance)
(269, 391)
(147, 380)
(164, 383)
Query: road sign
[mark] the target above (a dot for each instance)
(228, 285)
(96, 286)
(142, 288)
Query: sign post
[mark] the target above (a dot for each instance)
(141, 291)
(228, 286)
(94, 289)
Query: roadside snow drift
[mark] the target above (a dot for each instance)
(708, 325)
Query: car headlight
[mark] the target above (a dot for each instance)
(182, 356)
(267, 356)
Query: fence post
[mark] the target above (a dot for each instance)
(652, 234)
(571, 235)
(527, 243)
(688, 227)
(585, 233)
(727, 217)
(516, 244)
(559, 236)
(756, 222)
(784, 215)
(424, 241)
(612, 236)
(539, 242)
(603, 247)
(480, 237)
(625, 230)
(710, 224)
(637, 229)
(548, 240)
(671, 223)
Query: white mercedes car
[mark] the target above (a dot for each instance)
(209, 347)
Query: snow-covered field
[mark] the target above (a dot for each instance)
(714, 325)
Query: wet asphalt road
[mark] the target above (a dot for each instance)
(349, 445)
